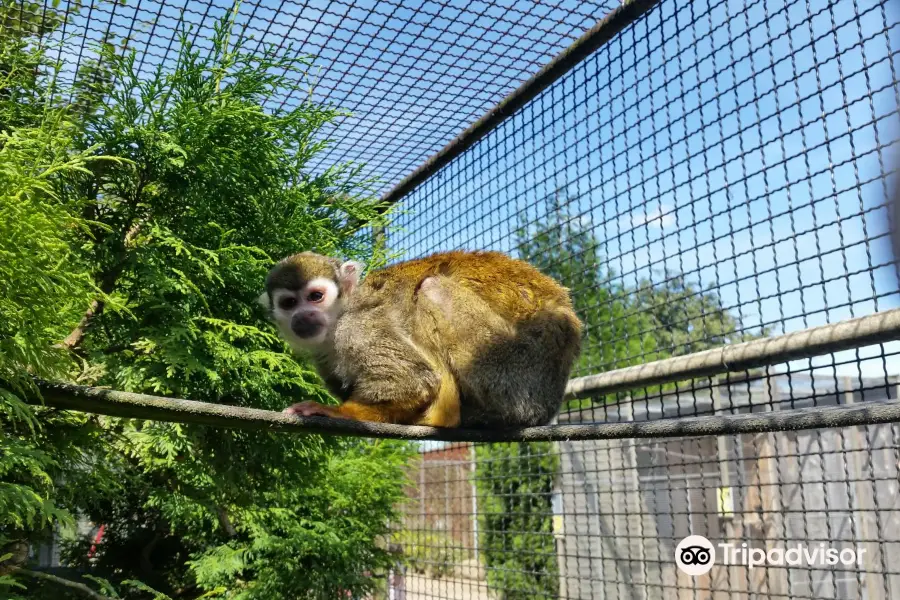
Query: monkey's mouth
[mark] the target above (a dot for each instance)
(307, 326)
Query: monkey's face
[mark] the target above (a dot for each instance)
(305, 316)
(306, 295)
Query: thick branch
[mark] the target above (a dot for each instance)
(73, 340)
(146, 551)
(17, 551)
(108, 283)
(62, 581)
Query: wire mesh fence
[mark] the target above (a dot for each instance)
(716, 172)
(411, 75)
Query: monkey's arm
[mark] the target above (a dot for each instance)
(411, 402)
(349, 409)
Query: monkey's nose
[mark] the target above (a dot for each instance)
(306, 325)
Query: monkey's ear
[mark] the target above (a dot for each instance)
(348, 275)
(264, 300)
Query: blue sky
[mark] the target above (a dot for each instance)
(735, 142)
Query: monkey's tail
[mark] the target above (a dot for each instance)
(445, 410)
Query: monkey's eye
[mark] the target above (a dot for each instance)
(315, 296)
(287, 303)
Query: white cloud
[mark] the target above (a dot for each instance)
(659, 216)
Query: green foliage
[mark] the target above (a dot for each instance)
(22, 65)
(515, 486)
(136, 228)
(429, 552)
(326, 547)
(684, 318)
(625, 325)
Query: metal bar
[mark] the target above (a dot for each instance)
(844, 335)
(605, 29)
(142, 406)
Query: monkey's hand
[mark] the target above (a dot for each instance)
(356, 411)
(313, 409)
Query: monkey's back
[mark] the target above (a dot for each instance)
(513, 288)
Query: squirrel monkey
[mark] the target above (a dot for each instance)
(471, 339)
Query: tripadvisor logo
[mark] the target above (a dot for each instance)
(696, 555)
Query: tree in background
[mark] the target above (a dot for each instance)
(623, 326)
(137, 229)
(684, 318)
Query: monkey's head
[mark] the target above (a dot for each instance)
(306, 294)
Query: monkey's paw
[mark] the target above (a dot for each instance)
(311, 409)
